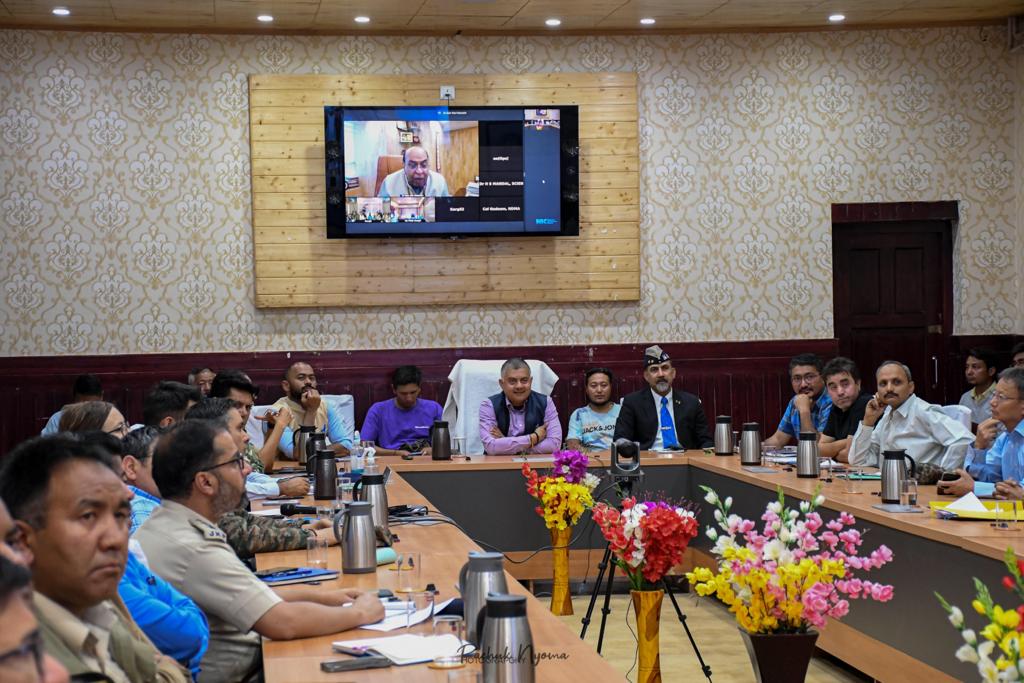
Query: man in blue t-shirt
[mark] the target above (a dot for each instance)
(591, 427)
(808, 410)
(402, 424)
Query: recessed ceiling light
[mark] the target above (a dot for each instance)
(362, 20)
(836, 17)
(265, 18)
(553, 22)
(61, 11)
(647, 21)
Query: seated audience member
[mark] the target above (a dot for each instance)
(51, 484)
(246, 533)
(237, 386)
(592, 426)
(11, 546)
(171, 621)
(137, 471)
(98, 416)
(995, 462)
(1017, 356)
(167, 403)
(895, 419)
(414, 178)
(842, 379)
(659, 418)
(518, 419)
(980, 370)
(202, 379)
(808, 410)
(87, 388)
(22, 659)
(201, 474)
(402, 424)
(256, 484)
(309, 411)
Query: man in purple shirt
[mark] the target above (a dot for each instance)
(403, 423)
(519, 420)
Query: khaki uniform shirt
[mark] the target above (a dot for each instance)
(191, 553)
(104, 644)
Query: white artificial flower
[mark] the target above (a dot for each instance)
(804, 506)
(711, 533)
(711, 497)
(775, 506)
(773, 549)
(969, 637)
(819, 500)
(591, 481)
(722, 544)
(985, 649)
(988, 669)
(728, 502)
(718, 515)
(784, 535)
(956, 617)
(793, 514)
(966, 653)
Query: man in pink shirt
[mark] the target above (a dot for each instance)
(518, 419)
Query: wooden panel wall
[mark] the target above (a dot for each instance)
(296, 265)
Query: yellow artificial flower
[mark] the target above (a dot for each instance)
(978, 607)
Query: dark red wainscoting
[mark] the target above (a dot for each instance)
(747, 380)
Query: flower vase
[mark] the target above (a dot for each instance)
(647, 605)
(780, 657)
(561, 600)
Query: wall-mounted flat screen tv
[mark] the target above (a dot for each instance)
(447, 171)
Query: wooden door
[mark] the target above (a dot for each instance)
(893, 298)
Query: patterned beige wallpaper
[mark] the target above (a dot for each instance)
(124, 183)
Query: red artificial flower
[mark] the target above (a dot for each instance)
(1020, 611)
(1020, 566)
(1010, 583)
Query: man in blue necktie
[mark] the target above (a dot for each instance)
(659, 418)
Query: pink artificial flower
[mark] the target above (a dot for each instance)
(846, 518)
(881, 593)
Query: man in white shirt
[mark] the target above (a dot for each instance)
(896, 419)
(415, 178)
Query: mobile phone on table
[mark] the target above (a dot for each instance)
(355, 664)
(949, 476)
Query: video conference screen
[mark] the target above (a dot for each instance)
(451, 171)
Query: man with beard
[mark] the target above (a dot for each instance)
(201, 474)
(842, 379)
(895, 419)
(659, 418)
(309, 411)
(518, 419)
(71, 510)
(592, 426)
(808, 410)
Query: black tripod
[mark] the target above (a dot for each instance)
(626, 482)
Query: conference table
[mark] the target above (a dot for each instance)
(907, 638)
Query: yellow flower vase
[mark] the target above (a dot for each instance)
(561, 600)
(647, 605)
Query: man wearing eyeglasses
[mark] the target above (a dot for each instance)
(808, 410)
(995, 462)
(201, 473)
(22, 659)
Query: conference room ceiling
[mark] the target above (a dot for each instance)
(495, 16)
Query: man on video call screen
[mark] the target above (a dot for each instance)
(415, 177)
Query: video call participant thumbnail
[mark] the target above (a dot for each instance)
(415, 177)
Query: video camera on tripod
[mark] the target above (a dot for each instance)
(625, 456)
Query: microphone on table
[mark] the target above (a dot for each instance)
(289, 509)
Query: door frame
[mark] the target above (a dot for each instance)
(944, 214)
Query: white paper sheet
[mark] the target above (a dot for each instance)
(395, 618)
(410, 648)
(968, 503)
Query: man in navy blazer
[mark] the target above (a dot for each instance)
(660, 418)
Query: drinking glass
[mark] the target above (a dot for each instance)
(853, 475)
(345, 486)
(418, 601)
(408, 567)
(908, 492)
(465, 676)
(316, 552)
(459, 447)
(450, 624)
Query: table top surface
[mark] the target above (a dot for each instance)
(443, 550)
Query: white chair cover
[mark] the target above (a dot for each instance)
(961, 414)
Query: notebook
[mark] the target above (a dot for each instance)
(409, 648)
(299, 575)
